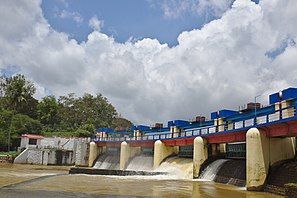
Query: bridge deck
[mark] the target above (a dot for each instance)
(280, 123)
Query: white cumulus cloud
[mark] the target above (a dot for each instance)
(222, 65)
(75, 16)
(177, 8)
(95, 23)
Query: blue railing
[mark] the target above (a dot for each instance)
(277, 116)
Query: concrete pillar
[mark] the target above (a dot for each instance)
(161, 151)
(176, 131)
(287, 112)
(200, 155)
(94, 151)
(262, 152)
(230, 126)
(127, 152)
(220, 124)
(137, 133)
(45, 154)
(223, 148)
(257, 156)
(125, 155)
(214, 150)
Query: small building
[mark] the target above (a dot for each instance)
(37, 149)
(30, 140)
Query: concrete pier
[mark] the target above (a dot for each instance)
(94, 152)
(127, 152)
(200, 155)
(262, 152)
(257, 156)
(161, 151)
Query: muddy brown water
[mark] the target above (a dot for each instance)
(53, 181)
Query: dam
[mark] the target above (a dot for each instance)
(235, 147)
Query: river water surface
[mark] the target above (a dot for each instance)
(55, 182)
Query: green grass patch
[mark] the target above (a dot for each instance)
(12, 153)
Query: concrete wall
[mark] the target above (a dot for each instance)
(81, 152)
(73, 151)
(44, 157)
(22, 157)
(161, 151)
(25, 143)
(281, 149)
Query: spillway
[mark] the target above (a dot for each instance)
(141, 162)
(210, 172)
(108, 161)
(177, 167)
(227, 171)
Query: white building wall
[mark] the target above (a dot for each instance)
(75, 151)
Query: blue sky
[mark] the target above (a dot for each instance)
(122, 19)
(210, 69)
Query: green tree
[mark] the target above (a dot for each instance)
(18, 94)
(5, 120)
(75, 112)
(21, 124)
(47, 110)
(67, 113)
(119, 123)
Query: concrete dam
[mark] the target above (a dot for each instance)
(233, 147)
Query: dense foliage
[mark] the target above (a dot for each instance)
(67, 115)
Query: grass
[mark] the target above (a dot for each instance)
(12, 153)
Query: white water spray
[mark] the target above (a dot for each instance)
(211, 170)
(177, 168)
(141, 163)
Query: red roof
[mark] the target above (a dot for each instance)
(32, 136)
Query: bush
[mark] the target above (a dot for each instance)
(82, 133)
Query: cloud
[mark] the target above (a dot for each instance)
(173, 9)
(222, 65)
(95, 24)
(75, 16)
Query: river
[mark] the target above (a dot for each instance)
(46, 181)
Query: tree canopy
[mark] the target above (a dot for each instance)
(68, 115)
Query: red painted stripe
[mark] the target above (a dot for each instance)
(227, 138)
(146, 144)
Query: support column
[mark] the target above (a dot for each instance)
(257, 156)
(287, 112)
(200, 155)
(221, 123)
(94, 152)
(127, 152)
(223, 148)
(176, 131)
(161, 151)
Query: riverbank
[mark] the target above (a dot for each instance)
(16, 173)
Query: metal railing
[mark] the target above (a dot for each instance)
(281, 115)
